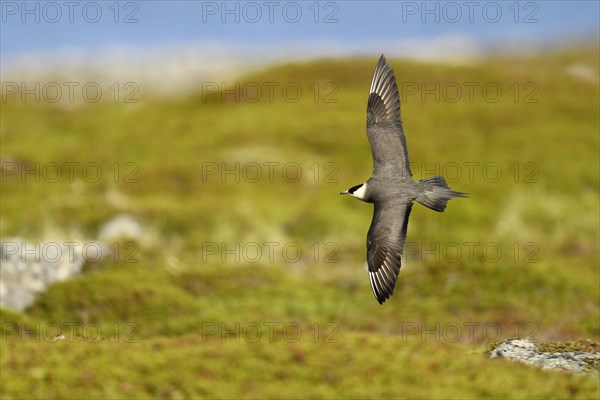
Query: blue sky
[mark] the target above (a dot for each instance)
(43, 25)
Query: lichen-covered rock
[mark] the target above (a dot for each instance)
(28, 268)
(123, 226)
(526, 352)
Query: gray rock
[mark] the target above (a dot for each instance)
(123, 226)
(28, 268)
(526, 352)
(14, 296)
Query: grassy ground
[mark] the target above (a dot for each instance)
(181, 318)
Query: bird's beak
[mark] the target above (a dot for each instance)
(344, 192)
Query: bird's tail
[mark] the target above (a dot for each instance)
(435, 193)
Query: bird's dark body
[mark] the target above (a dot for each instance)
(391, 187)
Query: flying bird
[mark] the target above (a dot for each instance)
(391, 187)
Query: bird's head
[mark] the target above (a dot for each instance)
(358, 191)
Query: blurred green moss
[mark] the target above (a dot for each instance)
(543, 286)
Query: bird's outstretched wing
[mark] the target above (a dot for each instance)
(384, 126)
(385, 243)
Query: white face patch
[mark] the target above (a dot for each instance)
(361, 192)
